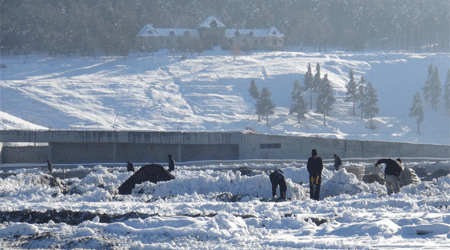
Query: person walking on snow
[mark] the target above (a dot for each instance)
(277, 179)
(391, 172)
(315, 167)
(171, 164)
(337, 162)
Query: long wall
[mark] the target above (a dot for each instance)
(67, 146)
(254, 146)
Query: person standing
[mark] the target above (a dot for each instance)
(171, 164)
(50, 167)
(277, 179)
(391, 173)
(337, 162)
(315, 167)
(130, 166)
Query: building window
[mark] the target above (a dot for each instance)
(274, 41)
(270, 145)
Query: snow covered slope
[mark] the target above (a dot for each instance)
(209, 92)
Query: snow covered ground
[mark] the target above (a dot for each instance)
(223, 209)
(207, 207)
(209, 92)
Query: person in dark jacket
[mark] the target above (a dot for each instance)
(130, 166)
(315, 167)
(171, 164)
(391, 172)
(50, 167)
(337, 162)
(277, 179)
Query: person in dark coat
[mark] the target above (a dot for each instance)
(277, 179)
(130, 166)
(315, 167)
(171, 164)
(391, 173)
(50, 167)
(337, 162)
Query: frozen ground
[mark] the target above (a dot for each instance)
(211, 208)
(209, 92)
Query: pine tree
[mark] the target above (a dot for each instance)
(253, 89)
(351, 94)
(436, 88)
(325, 99)
(298, 105)
(317, 80)
(428, 83)
(309, 83)
(361, 94)
(266, 106)
(254, 92)
(370, 103)
(446, 96)
(417, 110)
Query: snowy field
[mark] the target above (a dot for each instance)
(209, 92)
(209, 208)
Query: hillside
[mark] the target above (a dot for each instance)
(209, 92)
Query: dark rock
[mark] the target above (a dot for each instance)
(371, 178)
(153, 173)
(421, 172)
(438, 174)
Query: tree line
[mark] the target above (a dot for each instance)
(90, 27)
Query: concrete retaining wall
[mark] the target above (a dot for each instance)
(139, 146)
(138, 152)
(292, 147)
(27, 154)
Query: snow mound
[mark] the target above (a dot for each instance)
(346, 183)
(204, 183)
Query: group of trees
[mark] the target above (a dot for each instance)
(363, 93)
(320, 86)
(360, 92)
(110, 26)
(316, 84)
(264, 105)
(432, 91)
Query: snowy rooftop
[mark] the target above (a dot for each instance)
(253, 32)
(209, 20)
(148, 30)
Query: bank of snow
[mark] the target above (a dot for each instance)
(195, 211)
